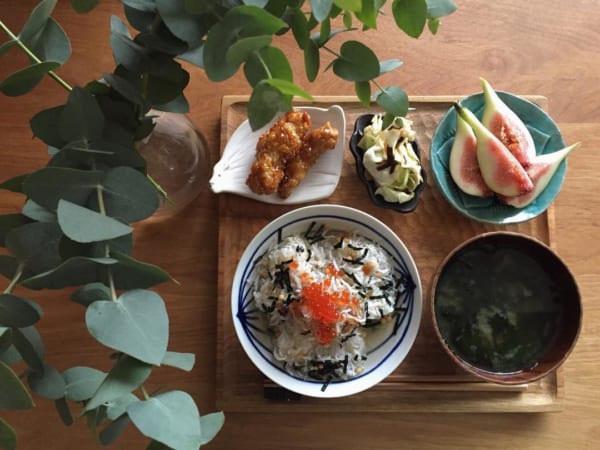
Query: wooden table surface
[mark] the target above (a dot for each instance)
(545, 47)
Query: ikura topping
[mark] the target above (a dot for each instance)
(321, 291)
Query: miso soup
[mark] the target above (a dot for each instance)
(497, 308)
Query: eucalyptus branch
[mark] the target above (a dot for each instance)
(32, 55)
(15, 279)
(111, 281)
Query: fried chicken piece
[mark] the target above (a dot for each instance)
(314, 144)
(274, 149)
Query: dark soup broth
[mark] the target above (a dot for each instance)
(497, 308)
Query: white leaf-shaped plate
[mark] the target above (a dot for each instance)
(231, 171)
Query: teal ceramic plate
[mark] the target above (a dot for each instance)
(547, 138)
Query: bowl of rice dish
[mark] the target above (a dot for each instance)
(326, 301)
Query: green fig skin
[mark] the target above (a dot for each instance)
(463, 164)
(507, 126)
(500, 170)
(541, 170)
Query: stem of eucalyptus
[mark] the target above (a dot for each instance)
(111, 281)
(15, 278)
(32, 55)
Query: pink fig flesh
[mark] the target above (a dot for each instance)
(500, 170)
(541, 170)
(463, 164)
(507, 126)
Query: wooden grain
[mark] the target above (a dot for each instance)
(547, 47)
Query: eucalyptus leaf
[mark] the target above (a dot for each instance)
(171, 418)
(155, 445)
(129, 54)
(320, 9)
(347, 20)
(440, 8)
(183, 361)
(36, 245)
(112, 431)
(84, 6)
(195, 55)
(7, 46)
(8, 436)
(137, 324)
(50, 184)
(368, 14)
(14, 184)
(127, 375)
(363, 92)
(37, 19)
(394, 100)
(117, 26)
(357, 62)
(139, 19)
(349, 5)
(299, 25)
(178, 105)
(187, 27)
(129, 273)
(142, 5)
(62, 408)
(6, 339)
(37, 212)
(90, 293)
(388, 65)
(162, 40)
(13, 394)
(82, 382)
(433, 25)
(82, 118)
(410, 16)
(117, 407)
(73, 272)
(288, 88)
(24, 80)
(8, 222)
(84, 225)
(9, 266)
(162, 89)
(124, 87)
(43, 125)
(16, 312)
(265, 102)
(52, 44)
(49, 383)
(269, 62)
(241, 50)
(28, 343)
(10, 356)
(210, 425)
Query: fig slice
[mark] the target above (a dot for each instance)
(463, 164)
(504, 123)
(541, 170)
(500, 170)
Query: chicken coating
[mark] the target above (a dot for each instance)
(274, 149)
(314, 144)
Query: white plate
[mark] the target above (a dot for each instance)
(231, 171)
(387, 346)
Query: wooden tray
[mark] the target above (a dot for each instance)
(427, 381)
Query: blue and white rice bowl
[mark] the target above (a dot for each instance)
(387, 344)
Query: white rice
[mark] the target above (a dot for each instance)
(356, 268)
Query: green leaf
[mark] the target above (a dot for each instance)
(393, 100)
(48, 185)
(368, 14)
(162, 40)
(124, 87)
(299, 25)
(410, 16)
(187, 27)
(36, 245)
(37, 212)
(14, 184)
(73, 272)
(137, 324)
(112, 432)
(312, 60)
(43, 125)
(82, 382)
(129, 273)
(349, 5)
(178, 105)
(288, 88)
(90, 293)
(440, 8)
(269, 62)
(129, 54)
(265, 102)
(210, 425)
(52, 44)
(13, 394)
(48, 384)
(347, 20)
(142, 5)
(8, 266)
(7, 46)
(8, 436)
(62, 408)
(82, 118)
(84, 6)
(194, 55)
(24, 80)
(388, 65)
(171, 418)
(116, 408)
(6, 339)
(183, 361)
(17, 312)
(241, 50)
(28, 343)
(84, 225)
(37, 19)
(128, 195)
(127, 375)
(139, 19)
(325, 32)
(357, 62)
(320, 9)
(433, 25)
(8, 222)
